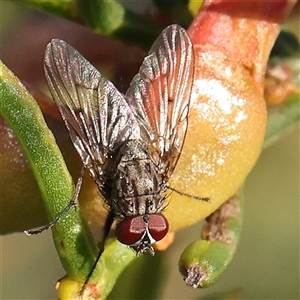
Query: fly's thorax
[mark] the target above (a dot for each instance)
(138, 205)
(137, 187)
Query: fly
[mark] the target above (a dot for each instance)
(131, 143)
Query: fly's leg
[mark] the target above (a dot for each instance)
(106, 229)
(71, 204)
(206, 199)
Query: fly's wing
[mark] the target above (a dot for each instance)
(95, 113)
(159, 96)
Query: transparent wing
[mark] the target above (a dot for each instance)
(97, 116)
(159, 96)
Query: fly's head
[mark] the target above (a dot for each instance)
(141, 231)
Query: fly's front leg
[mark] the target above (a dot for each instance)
(71, 204)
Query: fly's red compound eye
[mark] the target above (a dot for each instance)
(131, 230)
(158, 226)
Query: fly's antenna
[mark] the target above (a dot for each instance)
(206, 199)
(71, 204)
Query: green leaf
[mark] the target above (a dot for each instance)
(115, 258)
(75, 246)
(203, 261)
(102, 16)
(112, 19)
(282, 120)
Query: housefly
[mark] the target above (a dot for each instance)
(130, 144)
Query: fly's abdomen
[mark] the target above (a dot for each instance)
(139, 187)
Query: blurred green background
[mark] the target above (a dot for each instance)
(266, 265)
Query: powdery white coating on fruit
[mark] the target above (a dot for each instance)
(226, 104)
(226, 127)
(203, 166)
